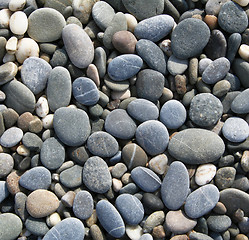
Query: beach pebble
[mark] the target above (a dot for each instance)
(16, 5)
(203, 64)
(205, 173)
(41, 107)
(158, 164)
(221, 88)
(36, 226)
(8, 72)
(11, 137)
(6, 164)
(18, 23)
(213, 7)
(66, 177)
(152, 202)
(146, 236)
(5, 15)
(131, 22)
(244, 52)
(240, 103)
(176, 66)
(133, 232)
(153, 220)
(11, 45)
(219, 223)
(3, 190)
(224, 177)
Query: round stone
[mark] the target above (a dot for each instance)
(176, 66)
(11, 137)
(221, 88)
(152, 202)
(45, 25)
(240, 103)
(36, 226)
(6, 164)
(213, 6)
(205, 173)
(7, 72)
(18, 23)
(203, 64)
(219, 223)
(153, 137)
(224, 177)
(66, 177)
(158, 164)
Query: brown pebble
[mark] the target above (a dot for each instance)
(218, 127)
(211, 21)
(181, 84)
(12, 182)
(113, 104)
(158, 232)
(239, 215)
(180, 237)
(45, 57)
(96, 233)
(92, 219)
(24, 120)
(35, 126)
(126, 178)
(245, 161)
(220, 208)
(241, 237)
(193, 70)
(10, 117)
(197, 16)
(92, 72)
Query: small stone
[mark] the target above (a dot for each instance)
(219, 223)
(35, 126)
(11, 45)
(11, 137)
(68, 199)
(220, 208)
(221, 88)
(213, 7)
(198, 236)
(158, 164)
(203, 64)
(6, 164)
(71, 182)
(12, 182)
(5, 15)
(225, 177)
(7, 72)
(211, 21)
(240, 104)
(133, 232)
(16, 5)
(152, 202)
(146, 236)
(176, 66)
(119, 170)
(205, 173)
(92, 73)
(41, 107)
(153, 220)
(131, 22)
(36, 226)
(234, 42)
(18, 23)
(53, 219)
(244, 52)
(20, 205)
(3, 190)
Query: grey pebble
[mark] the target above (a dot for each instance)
(32, 141)
(233, 45)
(36, 226)
(176, 66)
(6, 164)
(3, 190)
(241, 70)
(59, 58)
(11, 137)
(219, 223)
(119, 170)
(241, 182)
(240, 103)
(114, 85)
(212, 7)
(199, 236)
(66, 177)
(203, 64)
(224, 177)
(100, 60)
(20, 205)
(7, 72)
(234, 82)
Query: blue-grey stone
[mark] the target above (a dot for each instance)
(154, 28)
(4, 193)
(100, 60)
(216, 236)
(52, 153)
(145, 179)
(32, 141)
(153, 137)
(124, 66)
(71, 182)
(143, 110)
(241, 70)
(203, 64)
(216, 70)
(235, 129)
(228, 99)
(119, 124)
(96, 175)
(234, 81)
(34, 73)
(212, 7)
(243, 225)
(130, 188)
(11, 137)
(218, 223)
(175, 186)
(130, 208)
(199, 236)
(196, 146)
(85, 91)
(6, 164)
(110, 219)
(36, 178)
(189, 13)
(201, 201)
(186, 42)
(146, 236)
(116, 158)
(4, 3)
(176, 66)
(72, 126)
(152, 55)
(240, 104)
(36, 226)
(173, 114)
(83, 205)
(233, 45)
(69, 228)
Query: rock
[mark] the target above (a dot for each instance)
(176, 66)
(116, 86)
(241, 69)
(203, 64)
(196, 146)
(153, 137)
(11, 137)
(153, 220)
(18, 23)
(6, 164)
(12, 182)
(146, 236)
(234, 42)
(66, 177)
(205, 173)
(15, 5)
(36, 226)
(158, 164)
(8, 72)
(152, 202)
(241, 182)
(201, 201)
(41, 107)
(20, 205)
(240, 104)
(213, 7)
(118, 170)
(219, 223)
(3, 190)
(133, 232)
(225, 177)
(221, 88)
(78, 45)
(199, 236)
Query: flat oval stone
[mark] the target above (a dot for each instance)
(85, 91)
(219, 223)
(72, 126)
(203, 64)
(45, 25)
(19, 97)
(119, 124)
(186, 42)
(69, 228)
(52, 153)
(78, 45)
(110, 219)
(143, 110)
(240, 103)
(145, 179)
(241, 70)
(116, 86)
(176, 66)
(124, 66)
(36, 226)
(205, 173)
(152, 202)
(18, 23)
(59, 88)
(153, 137)
(3, 190)
(154, 28)
(83, 205)
(201, 201)
(96, 175)
(36, 178)
(6, 164)
(216, 70)
(175, 186)
(11, 137)
(130, 208)
(66, 177)
(196, 146)
(7, 72)
(102, 144)
(40, 203)
(34, 73)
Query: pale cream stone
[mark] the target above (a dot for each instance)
(11, 45)
(41, 107)
(205, 173)
(47, 121)
(116, 184)
(53, 219)
(9, 58)
(5, 15)
(18, 23)
(244, 52)
(242, 3)
(23, 151)
(16, 5)
(92, 73)
(134, 232)
(131, 22)
(159, 164)
(121, 95)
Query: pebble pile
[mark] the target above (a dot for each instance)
(124, 119)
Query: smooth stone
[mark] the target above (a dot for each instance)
(243, 52)
(186, 42)
(7, 72)
(158, 164)
(205, 109)
(130, 208)
(153, 137)
(126, 126)
(72, 126)
(199, 236)
(216, 70)
(233, 45)
(52, 153)
(78, 45)
(3, 190)
(71, 182)
(176, 66)
(36, 178)
(152, 202)
(153, 220)
(130, 188)
(146, 236)
(110, 219)
(119, 170)
(16, 5)
(34, 73)
(152, 55)
(96, 175)
(228, 99)
(212, 7)
(131, 22)
(102, 144)
(19, 97)
(205, 173)
(196, 146)
(116, 86)
(128, 65)
(240, 103)
(150, 84)
(177, 222)
(224, 177)
(11, 137)
(69, 228)
(59, 58)
(20, 205)
(18, 23)
(6, 164)
(145, 179)
(187, 13)
(241, 70)
(83, 205)
(11, 226)
(221, 88)
(219, 223)
(201, 201)
(154, 28)
(45, 25)
(143, 110)
(133, 232)
(241, 182)
(173, 114)
(40, 203)
(232, 18)
(38, 227)
(203, 64)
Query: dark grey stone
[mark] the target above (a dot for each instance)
(59, 58)
(7, 72)
(241, 70)
(38, 227)
(170, 9)
(201, 226)
(32, 141)
(228, 99)
(71, 182)
(78, 154)
(100, 60)
(218, 223)
(130, 188)
(233, 45)
(240, 104)
(234, 81)
(11, 137)
(6, 164)
(4, 193)
(241, 182)
(224, 177)
(152, 202)
(20, 205)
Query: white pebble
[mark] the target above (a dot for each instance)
(9, 58)
(26, 48)
(5, 18)
(244, 52)
(165, 45)
(242, 3)
(53, 219)
(158, 164)
(121, 95)
(11, 45)
(131, 22)
(18, 23)
(41, 107)
(47, 121)
(134, 232)
(116, 184)
(205, 173)
(16, 5)
(23, 151)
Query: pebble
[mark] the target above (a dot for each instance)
(213, 7)
(199, 236)
(153, 137)
(6, 164)
(203, 64)
(3, 190)
(153, 220)
(220, 208)
(176, 66)
(16, 5)
(66, 176)
(110, 219)
(205, 173)
(158, 164)
(8, 72)
(130, 208)
(5, 15)
(11, 45)
(133, 232)
(96, 175)
(53, 219)
(18, 23)
(175, 186)
(225, 177)
(146, 236)
(201, 201)
(11, 137)
(240, 104)
(38, 227)
(20, 205)
(233, 45)
(219, 223)
(12, 182)
(244, 52)
(131, 22)
(221, 88)
(41, 107)
(116, 86)
(119, 170)
(145, 179)
(36, 178)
